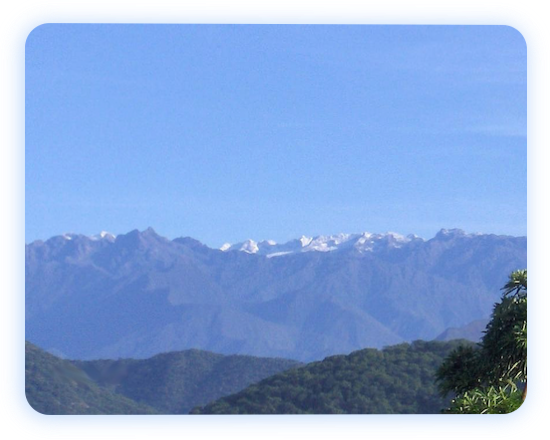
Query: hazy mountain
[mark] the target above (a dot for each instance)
(397, 380)
(472, 331)
(139, 294)
(175, 382)
(55, 386)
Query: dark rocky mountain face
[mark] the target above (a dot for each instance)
(141, 294)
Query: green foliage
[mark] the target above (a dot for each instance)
(505, 342)
(55, 386)
(502, 399)
(396, 380)
(485, 378)
(517, 284)
(461, 370)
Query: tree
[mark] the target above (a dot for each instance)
(517, 283)
(487, 378)
(505, 339)
(461, 371)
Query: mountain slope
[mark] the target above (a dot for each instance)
(140, 294)
(396, 380)
(472, 331)
(173, 383)
(55, 386)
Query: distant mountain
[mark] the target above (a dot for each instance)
(140, 294)
(397, 380)
(472, 331)
(174, 383)
(55, 386)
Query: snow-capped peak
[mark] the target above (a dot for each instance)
(103, 235)
(305, 241)
(363, 242)
(248, 246)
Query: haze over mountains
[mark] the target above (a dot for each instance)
(139, 294)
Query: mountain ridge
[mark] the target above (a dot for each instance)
(321, 243)
(141, 294)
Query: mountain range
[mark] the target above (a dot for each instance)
(139, 294)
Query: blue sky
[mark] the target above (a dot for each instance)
(226, 132)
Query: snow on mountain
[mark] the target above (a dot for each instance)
(102, 236)
(144, 294)
(363, 242)
(248, 246)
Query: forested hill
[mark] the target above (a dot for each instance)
(396, 380)
(175, 382)
(169, 383)
(55, 386)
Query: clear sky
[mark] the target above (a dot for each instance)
(224, 133)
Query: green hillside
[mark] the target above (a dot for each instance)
(55, 386)
(396, 380)
(175, 382)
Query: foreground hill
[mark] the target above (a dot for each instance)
(140, 294)
(173, 383)
(396, 380)
(55, 386)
